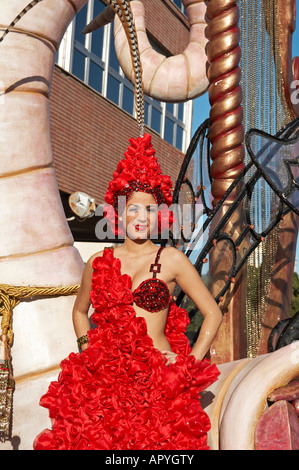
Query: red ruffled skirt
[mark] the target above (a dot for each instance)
(119, 394)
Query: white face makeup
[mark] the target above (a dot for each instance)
(140, 217)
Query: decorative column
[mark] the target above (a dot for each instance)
(227, 153)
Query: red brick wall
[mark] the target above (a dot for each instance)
(90, 135)
(167, 24)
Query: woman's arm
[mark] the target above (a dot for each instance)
(192, 285)
(82, 303)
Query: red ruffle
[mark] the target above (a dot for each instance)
(119, 393)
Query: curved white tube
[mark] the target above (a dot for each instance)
(177, 78)
(249, 398)
(34, 231)
(36, 245)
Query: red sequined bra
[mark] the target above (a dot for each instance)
(153, 294)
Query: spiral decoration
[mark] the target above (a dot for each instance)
(225, 95)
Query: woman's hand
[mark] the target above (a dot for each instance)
(170, 356)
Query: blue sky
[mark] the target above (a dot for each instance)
(202, 107)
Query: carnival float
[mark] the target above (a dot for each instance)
(254, 404)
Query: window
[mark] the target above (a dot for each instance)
(113, 89)
(179, 4)
(128, 100)
(174, 124)
(169, 130)
(80, 23)
(92, 59)
(79, 64)
(95, 79)
(113, 61)
(155, 115)
(87, 59)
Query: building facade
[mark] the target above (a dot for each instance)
(92, 105)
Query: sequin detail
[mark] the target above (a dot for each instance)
(153, 294)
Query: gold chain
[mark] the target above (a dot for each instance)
(263, 98)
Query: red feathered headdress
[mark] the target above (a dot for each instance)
(139, 171)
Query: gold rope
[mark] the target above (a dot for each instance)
(10, 297)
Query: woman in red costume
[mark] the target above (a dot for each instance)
(136, 383)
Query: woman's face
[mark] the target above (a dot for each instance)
(140, 216)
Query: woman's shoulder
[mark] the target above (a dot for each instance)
(174, 258)
(174, 254)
